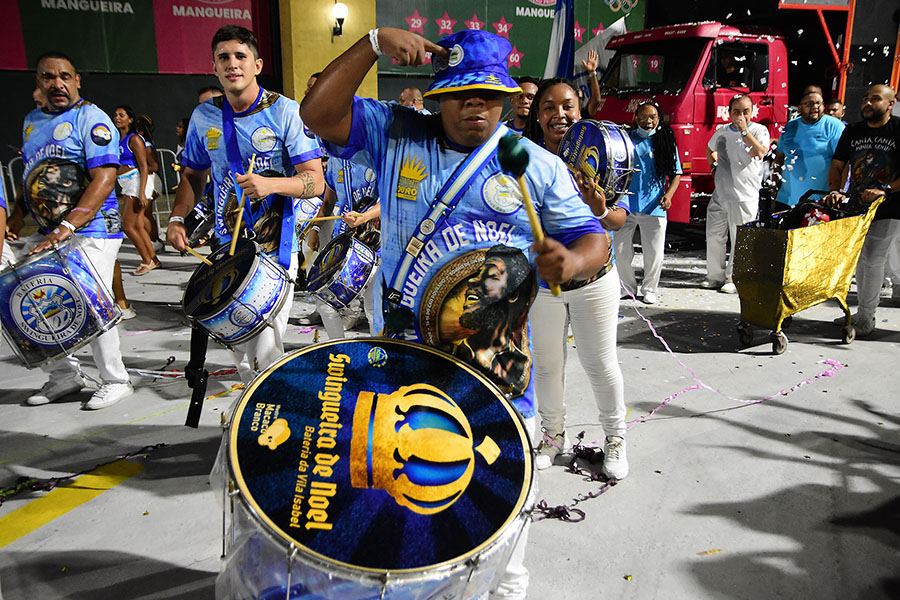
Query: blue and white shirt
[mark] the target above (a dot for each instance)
(472, 284)
(647, 188)
(272, 130)
(361, 184)
(59, 149)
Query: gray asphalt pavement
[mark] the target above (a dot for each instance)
(752, 475)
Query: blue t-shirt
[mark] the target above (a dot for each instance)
(58, 150)
(126, 156)
(808, 150)
(272, 130)
(471, 285)
(647, 188)
(361, 184)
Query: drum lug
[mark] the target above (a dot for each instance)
(384, 584)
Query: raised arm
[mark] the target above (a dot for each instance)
(327, 109)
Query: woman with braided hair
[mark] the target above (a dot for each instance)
(590, 305)
(651, 191)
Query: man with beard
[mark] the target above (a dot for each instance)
(497, 300)
(805, 150)
(521, 103)
(223, 135)
(444, 198)
(872, 150)
(70, 150)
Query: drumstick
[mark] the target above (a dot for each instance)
(331, 218)
(198, 255)
(513, 158)
(237, 224)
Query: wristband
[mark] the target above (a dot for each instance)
(82, 209)
(176, 220)
(316, 228)
(594, 75)
(887, 188)
(67, 225)
(373, 39)
(604, 215)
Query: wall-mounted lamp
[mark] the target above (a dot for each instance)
(340, 13)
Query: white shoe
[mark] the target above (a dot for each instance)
(549, 448)
(728, 288)
(615, 464)
(649, 298)
(128, 313)
(710, 284)
(108, 394)
(56, 389)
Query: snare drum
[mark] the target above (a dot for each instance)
(238, 296)
(341, 271)
(371, 468)
(53, 303)
(600, 147)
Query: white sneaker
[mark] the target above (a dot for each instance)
(108, 394)
(649, 298)
(728, 288)
(128, 313)
(549, 448)
(710, 284)
(56, 389)
(615, 464)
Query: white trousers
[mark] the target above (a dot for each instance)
(253, 356)
(593, 313)
(7, 257)
(722, 220)
(653, 245)
(513, 584)
(105, 347)
(871, 266)
(331, 318)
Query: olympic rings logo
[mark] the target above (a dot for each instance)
(623, 5)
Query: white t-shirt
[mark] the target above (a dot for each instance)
(738, 176)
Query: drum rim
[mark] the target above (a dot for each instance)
(240, 290)
(521, 503)
(27, 260)
(610, 178)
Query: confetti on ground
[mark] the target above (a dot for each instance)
(709, 552)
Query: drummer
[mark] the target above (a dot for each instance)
(590, 305)
(465, 254)
(223, 135)
(71, 155)
(352, 191)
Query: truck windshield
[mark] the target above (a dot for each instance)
(659, 67)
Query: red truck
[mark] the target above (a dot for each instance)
(692, 71)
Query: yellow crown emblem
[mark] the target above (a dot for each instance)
(417, 445)
(411, 173)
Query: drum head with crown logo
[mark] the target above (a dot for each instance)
(380, 455)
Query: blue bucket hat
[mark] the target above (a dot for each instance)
(477, 61)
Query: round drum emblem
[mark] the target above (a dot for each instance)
(242, 316)
(48, 309)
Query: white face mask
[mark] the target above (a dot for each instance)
(644, 133)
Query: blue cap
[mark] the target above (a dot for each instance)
(477, 61)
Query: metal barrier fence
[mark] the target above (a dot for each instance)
(162, 208)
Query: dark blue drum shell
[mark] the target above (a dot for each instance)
(380, 455)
